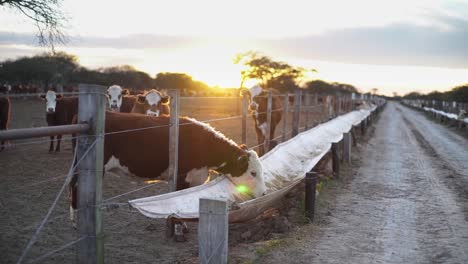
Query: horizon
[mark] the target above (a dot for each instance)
(368, 45)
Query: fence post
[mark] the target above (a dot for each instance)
(244, 118)
(347, 147)
(335, 160)
(310, 187)
(174, 139)
(213, 231)
(91, 109)
(285, 116)
(307, 110)
(297, 112)
(268, 128)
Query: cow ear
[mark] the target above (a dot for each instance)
(59, 96)
(243, 147)
(42, 96)
(141, 98)
(125, 92)
(165, 99)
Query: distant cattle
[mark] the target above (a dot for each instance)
(145, 153)
(258, 106)
(4, 116)
(59, 111)
(152, 102)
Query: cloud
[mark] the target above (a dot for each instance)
(397, 44)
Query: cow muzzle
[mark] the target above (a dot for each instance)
(152, 113)
(50, 110)
(114, 107)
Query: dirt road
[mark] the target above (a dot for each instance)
(407, 201)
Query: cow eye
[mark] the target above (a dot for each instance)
(120, 96)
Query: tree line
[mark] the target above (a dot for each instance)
(62, 70)
(457, 94)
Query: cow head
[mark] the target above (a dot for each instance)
(51, 101)
(114, 96)
(152, 102)
(248, 172)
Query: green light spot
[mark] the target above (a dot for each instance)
(242, 188)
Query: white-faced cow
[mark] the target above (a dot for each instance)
(258, 106)
(152, 102)
(145, 153)
(120, 99)
(59, 111)
(4, 116)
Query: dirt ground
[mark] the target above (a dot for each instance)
(404, 200)
(31, 177)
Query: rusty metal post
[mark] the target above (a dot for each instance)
(310, 188)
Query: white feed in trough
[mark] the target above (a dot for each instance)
(283, 167)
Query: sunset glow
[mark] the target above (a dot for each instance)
(396, 46)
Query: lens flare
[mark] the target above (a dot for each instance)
(242, 189)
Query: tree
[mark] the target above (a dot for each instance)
(182, 81)
(269, 73)
(47, 16)
(43, 70)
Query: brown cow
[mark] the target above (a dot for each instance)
(145, 153)
(258, 106)
(59, 111)
(153, 102)
(4, 116)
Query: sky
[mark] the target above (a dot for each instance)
(396, 46)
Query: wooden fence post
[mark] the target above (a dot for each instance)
(335, 160)
(347, 147)
(310, 188)
(268, 128)
(297, 112)
(285, 116)
(244, 118)
(307, 110)
(91, 109)
(174, 139)
(213, 231)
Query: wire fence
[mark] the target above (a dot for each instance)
(313, 109)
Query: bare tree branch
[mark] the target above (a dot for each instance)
(46, 15)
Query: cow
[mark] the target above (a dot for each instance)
(152, 102)
(4, 116)
(59, 111)
(120, 99)
(258, 106)
(145, 153)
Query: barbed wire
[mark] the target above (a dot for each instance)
(135, 190)
(50, 253)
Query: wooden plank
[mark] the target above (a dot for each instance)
(213, 231)
(285, 116)
(244, 118)
(91, 109)
(174, 139)
(268, 128)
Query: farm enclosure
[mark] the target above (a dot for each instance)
(31, 177)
